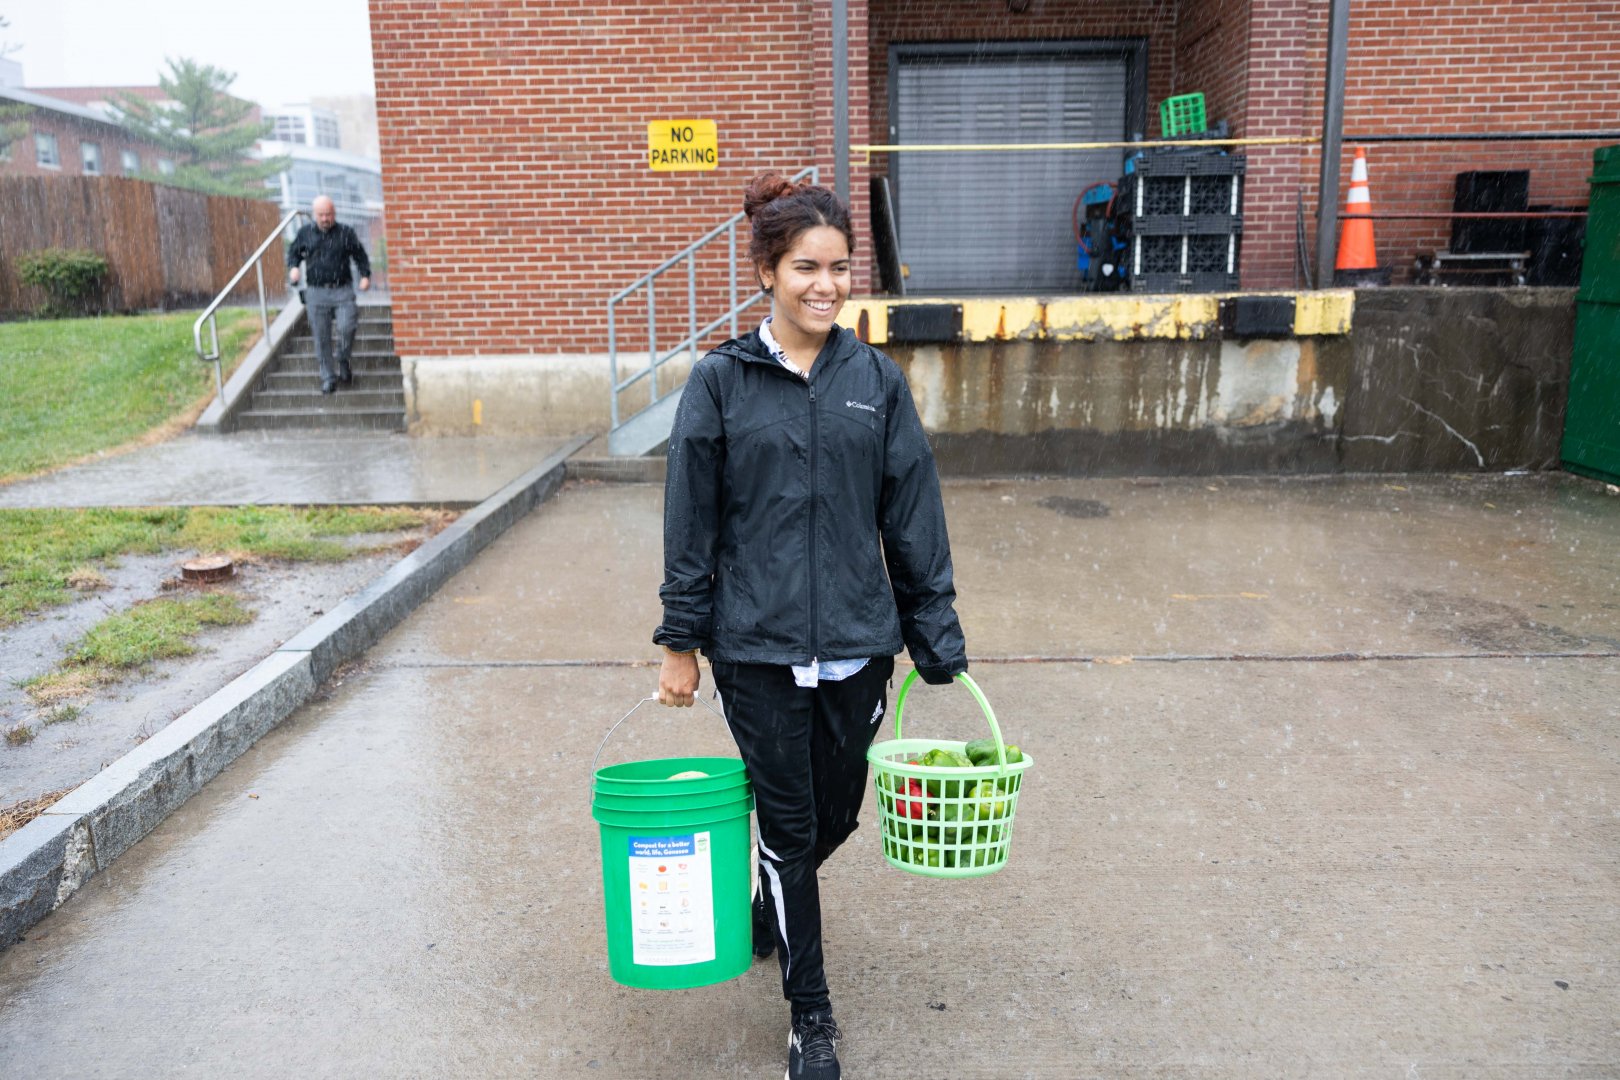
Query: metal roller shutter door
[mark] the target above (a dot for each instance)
(989, 222)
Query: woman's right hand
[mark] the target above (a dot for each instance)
(678, 679)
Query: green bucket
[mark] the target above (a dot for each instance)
(642, 778)
(677, 873)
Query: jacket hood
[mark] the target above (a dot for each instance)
(751, 346)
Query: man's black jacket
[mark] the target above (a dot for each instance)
(787, 501)
(328, 254)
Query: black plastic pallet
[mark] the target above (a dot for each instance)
(1156, 195)
(1182, 254)
(1184, 283)
(1182, 224)
(1192, 163)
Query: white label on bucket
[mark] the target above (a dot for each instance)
(671, 900)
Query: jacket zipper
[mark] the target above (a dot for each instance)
(815, 440)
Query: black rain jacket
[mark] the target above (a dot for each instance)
(328, 254)
(803, 520)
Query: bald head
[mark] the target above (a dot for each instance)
(325, 212)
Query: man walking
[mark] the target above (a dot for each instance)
(326, 248)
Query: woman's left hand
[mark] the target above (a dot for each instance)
(678, 679)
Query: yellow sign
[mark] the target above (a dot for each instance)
(682, 145)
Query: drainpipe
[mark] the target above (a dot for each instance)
(1327, 207)
(840, 74)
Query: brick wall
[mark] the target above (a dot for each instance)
(1279, 69)
(514, 133)
(1449, 66)
(1212, 57)
(514, 139)
(1467, 66)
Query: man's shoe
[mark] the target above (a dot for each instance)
(328, 386)
(764, 932)
(345, 376)
(813, 1048)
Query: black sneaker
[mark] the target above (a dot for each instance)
(345, 375)
(764, 932)
(813, 1048)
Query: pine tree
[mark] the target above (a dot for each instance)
(205, 128)
(13, 116)
(13, 123)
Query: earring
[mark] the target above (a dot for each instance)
(767, 289)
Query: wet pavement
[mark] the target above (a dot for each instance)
(302, 468)
(1325, 786)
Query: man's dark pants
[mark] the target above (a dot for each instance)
(326, 306)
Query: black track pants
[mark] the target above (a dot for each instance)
(805, 750)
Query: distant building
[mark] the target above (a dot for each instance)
(357, 122)
(66, 138)
(312, 138)
(305, 125)
(353, 183)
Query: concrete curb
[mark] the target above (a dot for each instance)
(593, 462)
(50, 858)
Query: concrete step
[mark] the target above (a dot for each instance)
(306, 341)
(304, 380)
(346, 397)
(368, 362)
(374, 313)
(331, 419)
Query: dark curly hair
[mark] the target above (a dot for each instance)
(780, 210)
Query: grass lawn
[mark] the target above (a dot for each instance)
(47, 556)
(72, 387)
(128, 640)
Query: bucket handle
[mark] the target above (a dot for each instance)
(978, 695)
(626, 716)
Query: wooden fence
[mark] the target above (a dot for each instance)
(165, 247)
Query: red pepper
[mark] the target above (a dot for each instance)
(913, 809)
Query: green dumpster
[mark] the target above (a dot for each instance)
(1592, 418)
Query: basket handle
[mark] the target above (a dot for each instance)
(978, 695)
(626, 716)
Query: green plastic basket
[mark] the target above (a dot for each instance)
(1182, 115)
(945, 827)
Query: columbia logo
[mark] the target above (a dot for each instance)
(858, 405)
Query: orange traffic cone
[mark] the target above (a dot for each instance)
(1358, 262)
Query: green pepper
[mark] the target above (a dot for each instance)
(946, 759)
(983, 752)
(992, 800)
(979, 751)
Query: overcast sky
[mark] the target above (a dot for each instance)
(282, 52)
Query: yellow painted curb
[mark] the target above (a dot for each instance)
(1113, 317)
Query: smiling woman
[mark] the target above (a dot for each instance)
(804, 545)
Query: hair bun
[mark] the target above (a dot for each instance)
(765, 189)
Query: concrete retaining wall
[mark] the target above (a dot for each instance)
(1413, 380)
(1426, 380)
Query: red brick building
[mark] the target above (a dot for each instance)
(515, 133)
(67, 137)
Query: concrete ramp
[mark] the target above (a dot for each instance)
(648, 429)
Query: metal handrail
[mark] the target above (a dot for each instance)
(211, 311)
(689, 343)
